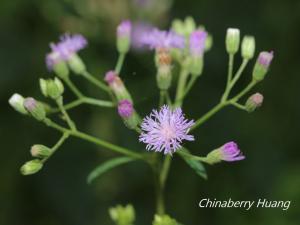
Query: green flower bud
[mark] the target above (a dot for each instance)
(52, 88)
(208, 42)
(40, 151)
(196, 66)
(262, 65)
(248, 47)
(254, 102)
(31, 167)
(16, 101)
(164, 220)
(76, 64)
(178, 27)
(35, 109)
(189, 25)
(124, 36)
(232, 40)
(61, 69)
(122, 215)
(164, 77)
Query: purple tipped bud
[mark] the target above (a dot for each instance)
(110, 77)
(254, 102)
(262, 65)
(117, 86)
(124, 36)
(265, 58)
(125, 108)
(35, 108)
(228, 152)
(124, 29)
(231, 152)
(197, 43)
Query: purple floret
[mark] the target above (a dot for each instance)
(165, 130)
(197, 42)
(64, 50)
(231, 152)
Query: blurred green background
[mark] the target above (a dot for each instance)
(59, 195)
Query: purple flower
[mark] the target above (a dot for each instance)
(197, 42)
(124, 29)
(231, 152)
(265, 58)
(65, 49)
(165, 130)
(162, 39)
(125, 108)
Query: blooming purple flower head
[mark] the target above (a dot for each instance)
(124, 29)
(231, 152)
(155, 39)
(197, 42)
(265, 58)
(125, 108)
(165, 130)
(65, 49)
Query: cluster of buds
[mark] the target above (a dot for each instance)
(40, 152)
(52, 88)
(122, 215)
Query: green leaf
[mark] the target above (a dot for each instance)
(106, 166)
(193, 163)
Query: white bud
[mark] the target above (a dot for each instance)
(248, 47)
(16, 101)
(232, 40)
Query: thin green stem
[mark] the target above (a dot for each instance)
(200, 158)
(181, 87)
(239, 73)
(190, 85)
(239, 106)
(95, 81)
(120, 63)
(245, 91)
(60, 104)
(73, 88)
(165, 170)
(209, 114)
(162, 95)
(89, 138)
(56, 146)
(97, 102)
(229, 77)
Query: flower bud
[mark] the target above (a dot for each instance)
(232, 40)
(189, 25)
(31, 167)
(163, 62)
(117, 86)
(248, 47)
(52, 88)
(124, 36)
(228, 152)
(122, 215)
(208, 43)
(40, 151)
(55, 63)
(262, 65)
(128, 114)
(16, 101)
(178, 27)
(164, 220)
(35, 109)
(254, 102)
(76, 64)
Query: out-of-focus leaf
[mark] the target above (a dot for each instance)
(106, 166)
(193, 163)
